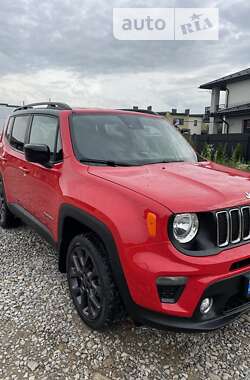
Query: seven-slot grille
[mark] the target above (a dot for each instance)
(233, 226)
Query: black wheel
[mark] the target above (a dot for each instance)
(90, 282)
(7, 219)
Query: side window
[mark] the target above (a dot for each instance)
(9, 128)
(18, 133)
(44, 131)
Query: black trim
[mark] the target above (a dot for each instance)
(240, 264)
(140, 110)
(51, 105)
(29, 219)
(171, 281)
(36, 111)
(166, 322)
(170, 288)
(58, 138)
(204, 243)
(106, 236)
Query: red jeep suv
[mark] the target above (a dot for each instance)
(140, 222)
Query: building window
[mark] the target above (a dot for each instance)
(195, 123)
(246, 126)
(178, 122)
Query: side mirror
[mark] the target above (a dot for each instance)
(38, 153)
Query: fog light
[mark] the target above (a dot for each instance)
(206, 305)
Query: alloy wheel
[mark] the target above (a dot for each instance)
(85, 284)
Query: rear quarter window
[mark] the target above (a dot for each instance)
(18, 133)
(9, 128)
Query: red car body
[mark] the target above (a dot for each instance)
(118, 200)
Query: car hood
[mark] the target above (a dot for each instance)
(183, 187)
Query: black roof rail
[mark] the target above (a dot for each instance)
(139, 110)
(8, 105)
(50, 105)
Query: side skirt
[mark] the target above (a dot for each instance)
(30, 220)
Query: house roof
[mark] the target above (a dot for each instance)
(163, 113)
(242, 109)
(222, 82)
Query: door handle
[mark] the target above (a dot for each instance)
(24, 170)
(3, 159)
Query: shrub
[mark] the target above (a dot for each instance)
(219, 154)
(225, 157)
(207, 151)
(237, 155)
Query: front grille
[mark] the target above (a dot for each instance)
(233, 226)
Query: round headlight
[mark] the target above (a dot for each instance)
(185, 227)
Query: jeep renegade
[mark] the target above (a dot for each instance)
(140, 222)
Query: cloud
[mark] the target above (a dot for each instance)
(66, 51)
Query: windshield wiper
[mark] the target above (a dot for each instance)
(167, 161)
(105, 162)
(163, 161)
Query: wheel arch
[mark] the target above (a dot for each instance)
(73, 221)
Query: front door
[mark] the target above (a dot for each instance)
(43, 199)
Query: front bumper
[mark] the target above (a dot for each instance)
(144, 265)
(164, 322)
(230, 300)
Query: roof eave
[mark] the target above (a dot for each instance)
(211, 85)
(233, 113)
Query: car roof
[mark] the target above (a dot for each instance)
(54, 108)
(96, 111)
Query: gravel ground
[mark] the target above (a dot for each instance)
(42, 337)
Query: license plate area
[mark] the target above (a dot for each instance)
(247, 286)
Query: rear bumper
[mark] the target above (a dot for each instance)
(230, 300)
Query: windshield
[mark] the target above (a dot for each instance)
(127, 139)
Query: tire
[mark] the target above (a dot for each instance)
(91, 286)
(7, 219)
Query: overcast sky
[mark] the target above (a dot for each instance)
(65, 50)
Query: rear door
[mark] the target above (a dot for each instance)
(12, 159)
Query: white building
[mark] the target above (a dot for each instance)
(186, 122)
(236, 113)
